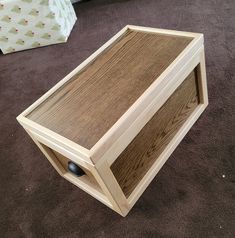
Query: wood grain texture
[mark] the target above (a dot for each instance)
(134, 162)
(92, 101)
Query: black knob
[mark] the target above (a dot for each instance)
(75, 169)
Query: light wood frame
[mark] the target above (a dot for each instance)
(101, 156)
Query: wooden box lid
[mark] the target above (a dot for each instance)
(101, 98)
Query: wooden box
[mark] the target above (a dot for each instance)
(110, 125)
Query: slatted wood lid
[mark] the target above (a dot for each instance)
(90, 103)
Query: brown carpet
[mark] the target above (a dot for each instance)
(194, 193)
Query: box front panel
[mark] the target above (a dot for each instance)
(77, 174)
(135, 161)
(87, 176)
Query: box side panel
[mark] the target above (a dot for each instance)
(135, 161)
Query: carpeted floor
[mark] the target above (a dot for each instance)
(194, 193)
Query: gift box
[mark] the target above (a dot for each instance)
(26, 24)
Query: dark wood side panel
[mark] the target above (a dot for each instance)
(131, 166)
(86, 107)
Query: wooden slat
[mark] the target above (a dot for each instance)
(133, 163)
(93, 100)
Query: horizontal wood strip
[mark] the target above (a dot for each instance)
(87, 106)
(134, 162)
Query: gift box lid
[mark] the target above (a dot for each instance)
(98, 101)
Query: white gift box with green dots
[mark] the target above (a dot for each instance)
(26, 24)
